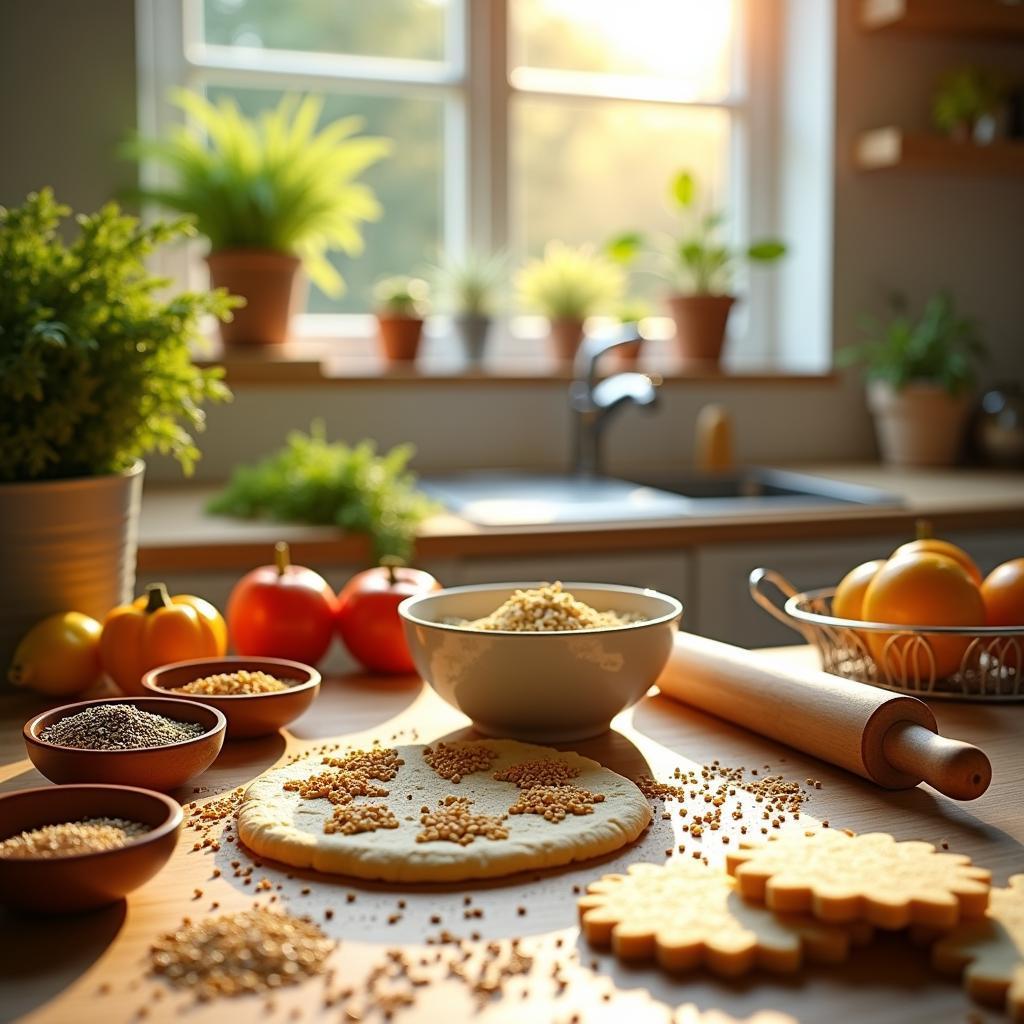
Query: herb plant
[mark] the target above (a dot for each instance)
(470, 286)
(95, 368)
(402, 296)
(963, 96)
(270, 183)
(570, 283)
(697, 261)
(939, 347)
(313, 480)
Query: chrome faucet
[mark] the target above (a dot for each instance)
(592, 401)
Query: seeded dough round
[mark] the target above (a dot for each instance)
(282, 824)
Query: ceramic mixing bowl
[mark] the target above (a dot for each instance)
(543, 687)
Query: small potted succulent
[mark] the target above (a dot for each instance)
(96, 371)
(699, 267)
(966, 104)
(921, 375)
(567, 285)
(402, 304)
(272, 195)
(468, 291)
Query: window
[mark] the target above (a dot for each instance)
(514, 121)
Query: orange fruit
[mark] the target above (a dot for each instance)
(934, 546)
(921, 589)
(1003, 594)
(848, 601)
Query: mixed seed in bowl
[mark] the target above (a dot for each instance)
(234, 684)
(68, 838)
(547, 609)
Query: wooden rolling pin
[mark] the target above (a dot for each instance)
(888, 738)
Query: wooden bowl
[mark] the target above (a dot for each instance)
(161, 768)
(56, 885)
(248, 714)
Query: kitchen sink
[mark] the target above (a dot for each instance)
(498, 498)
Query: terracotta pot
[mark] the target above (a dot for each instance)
(399, 337)
(66, 545)
(270, 284)
(471, 330)
(700, 325)
(919, 425)
(566, 334)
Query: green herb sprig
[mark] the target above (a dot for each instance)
(313, 480)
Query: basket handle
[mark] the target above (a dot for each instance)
(758, 581)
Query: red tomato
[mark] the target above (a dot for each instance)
(367, 616)
(282, 611)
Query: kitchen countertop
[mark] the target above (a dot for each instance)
(92, 966)
(175, 533)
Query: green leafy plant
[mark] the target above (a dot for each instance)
(698, 261)
(274, 182)
(570, 283)
(95, 368)
(938, 347)
(402, 296)
(313, 480)
(470, 286)
(963, 96)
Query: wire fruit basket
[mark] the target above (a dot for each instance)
(982, 663)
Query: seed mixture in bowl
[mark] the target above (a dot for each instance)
(547, 609)
(90, 835)
(118, 727)
(234, 684)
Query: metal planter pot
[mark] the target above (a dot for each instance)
(471, 330)
(66, 545)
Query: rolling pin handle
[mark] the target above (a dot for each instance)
(959, 770)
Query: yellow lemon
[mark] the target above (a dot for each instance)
(58, 656)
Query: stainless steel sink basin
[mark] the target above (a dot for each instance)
(518, 499)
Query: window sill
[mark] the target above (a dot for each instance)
(523, 361)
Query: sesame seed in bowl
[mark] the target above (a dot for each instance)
(552, 662)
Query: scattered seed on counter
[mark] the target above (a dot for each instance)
(69, 838)
(247, 951)
(118, 727)
(233, 684)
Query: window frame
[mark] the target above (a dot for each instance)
(478, 92)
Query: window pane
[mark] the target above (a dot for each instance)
(408, 184)
(410, 29)
(686, 41)
(585, 171)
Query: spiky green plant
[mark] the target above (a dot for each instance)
(273, 182)
(402, 296)
(570, 283)
(470, 285)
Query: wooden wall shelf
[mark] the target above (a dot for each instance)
(993, 19)
(886, 149)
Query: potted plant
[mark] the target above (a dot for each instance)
(630, 311)
(920, 375)
(468, 290)
(95, 372)
(402, 304)
(699, 266)
(966, 103)
(272, 195)
(567, 285)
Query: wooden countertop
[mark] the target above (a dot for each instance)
(92, 967)
(175, 533)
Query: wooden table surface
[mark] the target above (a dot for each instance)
(93, 967)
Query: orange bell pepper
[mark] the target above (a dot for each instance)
(139, 637)
(208, 616)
